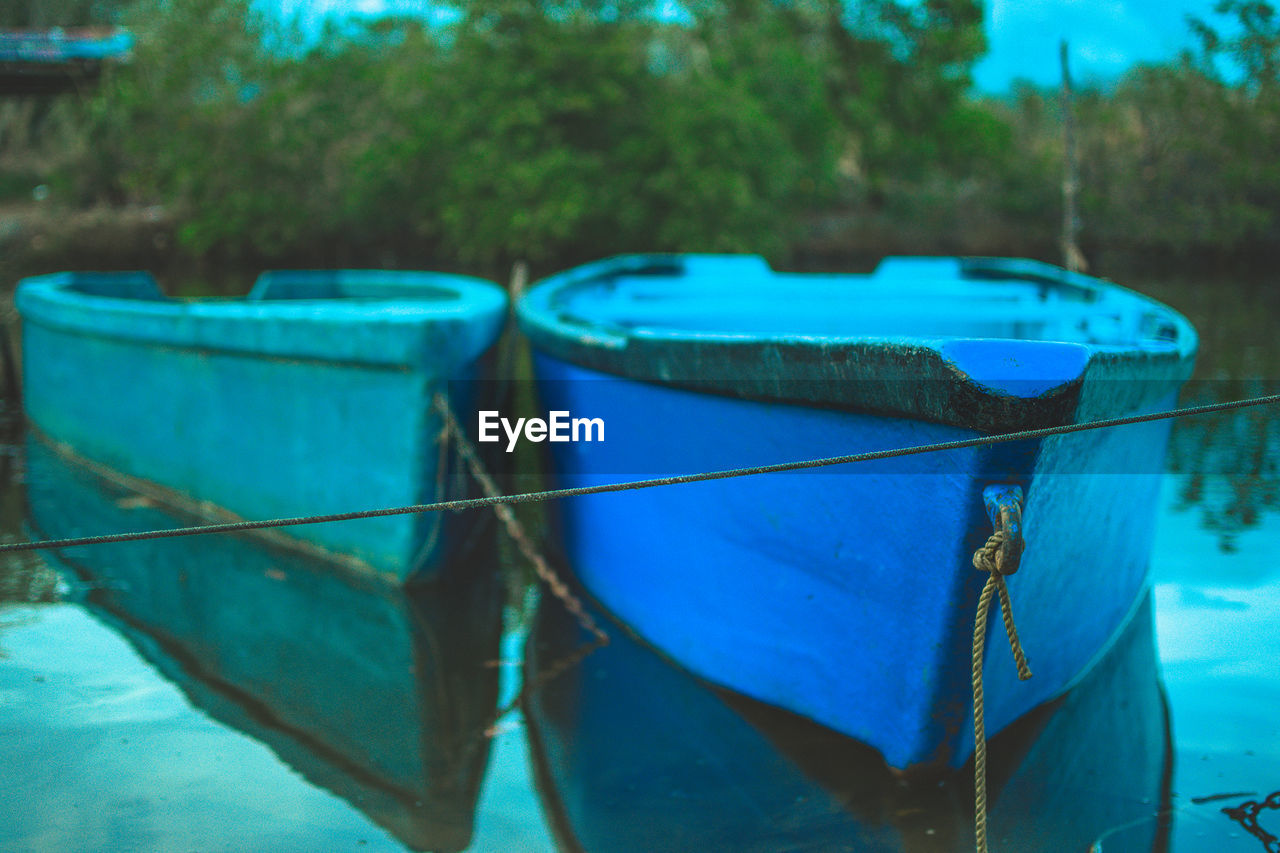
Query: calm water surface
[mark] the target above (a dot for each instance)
(215, 694)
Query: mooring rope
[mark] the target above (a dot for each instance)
(524, 542)
(991, 558)
(1246, 814)
(578, 491)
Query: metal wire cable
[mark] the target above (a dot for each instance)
(577, 491)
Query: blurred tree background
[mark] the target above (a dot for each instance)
(818, 132)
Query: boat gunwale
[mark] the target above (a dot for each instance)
(540, 318)
(398, 332)
(853, 372)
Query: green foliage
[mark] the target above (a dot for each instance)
(237, 142)
(1255, 49)
(1181, 158)
(560, 130)
(40, 14)
(899, 77)
(554, 137)
(524, 130)
(547, 130)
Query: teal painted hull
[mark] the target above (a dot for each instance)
(379, 695)
(312, 396)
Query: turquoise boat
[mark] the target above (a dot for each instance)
(312, 395)
(379, 695)
(847, 595)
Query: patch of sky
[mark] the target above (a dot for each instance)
(296, 26)
(1106, 38)
(312, 19)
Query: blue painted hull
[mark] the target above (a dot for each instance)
(311, 396)
(848, 594)
(635, 755)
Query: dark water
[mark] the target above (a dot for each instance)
(216, 694)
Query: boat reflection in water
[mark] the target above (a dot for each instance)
(634, 754)
(379, 695)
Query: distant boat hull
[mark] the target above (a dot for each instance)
(848, 594)
(47, 62)
(379, 695)
(312, 396)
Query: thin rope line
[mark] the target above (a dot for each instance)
(999, 556)
(979, 724)
(577, 491)
(995, 583)
(541, 566)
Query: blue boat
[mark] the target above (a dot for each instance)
(633, 755)
(847, 594)
(313, 395)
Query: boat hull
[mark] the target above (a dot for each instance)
(848, 594)
(278, 406)
(379, 695)
(633, 754)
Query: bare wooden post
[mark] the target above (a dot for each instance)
(519, 280)
(1072, 258)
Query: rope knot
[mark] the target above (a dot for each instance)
(986, 558)
(1002, 553)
